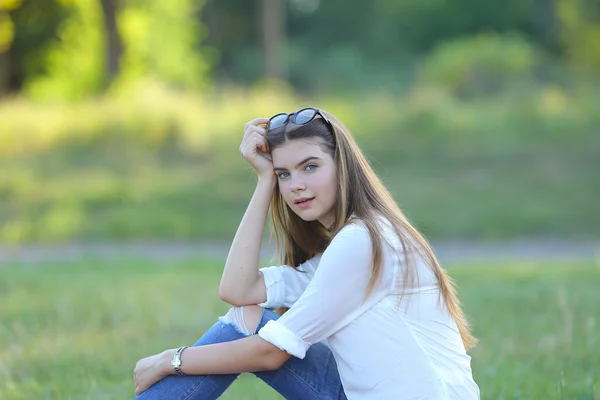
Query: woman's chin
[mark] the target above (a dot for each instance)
(306, 215)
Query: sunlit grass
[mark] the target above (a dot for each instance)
(159, 164)
(77, 329)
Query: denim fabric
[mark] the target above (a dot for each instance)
(314, 377)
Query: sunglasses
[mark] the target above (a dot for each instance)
(302, 117)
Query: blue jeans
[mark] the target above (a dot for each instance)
(314, 377)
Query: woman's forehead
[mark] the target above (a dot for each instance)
(289, 154)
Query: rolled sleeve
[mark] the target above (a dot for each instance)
(275, 284)
(279, 335)
(286, 284)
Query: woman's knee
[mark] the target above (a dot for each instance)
(245, 318)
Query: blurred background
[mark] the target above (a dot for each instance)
(120, 122)
(121, 119)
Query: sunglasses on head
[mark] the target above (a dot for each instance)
(302, 117)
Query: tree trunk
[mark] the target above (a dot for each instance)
(114, 47)
(272, 28)
(4, 73)
(545, 22)
(4, 65)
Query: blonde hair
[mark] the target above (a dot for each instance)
(361, 195)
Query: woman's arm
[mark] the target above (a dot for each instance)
(249, 354)
(244, 355)
(241, 283)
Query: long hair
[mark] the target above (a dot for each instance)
(362, 195)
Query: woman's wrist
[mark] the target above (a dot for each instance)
(165, 362)
(267, 178)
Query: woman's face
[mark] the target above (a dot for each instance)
(307, 179)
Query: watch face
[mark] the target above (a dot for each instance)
(176, 364)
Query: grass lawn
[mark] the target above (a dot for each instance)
(75, 331)
(165, 166)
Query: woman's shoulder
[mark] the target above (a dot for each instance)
(359, 225)
(356, 231)
(354, 226)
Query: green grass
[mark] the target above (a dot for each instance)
(163, 165)
(75, 331)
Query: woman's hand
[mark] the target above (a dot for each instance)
(152, 369)
(255, 148)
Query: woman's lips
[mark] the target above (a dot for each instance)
(305, 204)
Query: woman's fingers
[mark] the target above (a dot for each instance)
(254, 146)
(254, 129)
(256, 122)
(254, 141)
(261, 141)
(255, 138)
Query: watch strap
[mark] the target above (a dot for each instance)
(176, 363)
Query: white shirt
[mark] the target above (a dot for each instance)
(384, 349)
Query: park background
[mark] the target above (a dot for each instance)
(121, 183)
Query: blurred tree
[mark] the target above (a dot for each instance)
(74, 61)
(7, 34)
(70, 49)
(353, 44)
(234, 29)
(580, 33)
(114, 47)
(35, 25)
(272, 26)
(73, 48)
(162, 41)
(545, 22)
(479, 65)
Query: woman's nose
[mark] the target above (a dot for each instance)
(297, 183)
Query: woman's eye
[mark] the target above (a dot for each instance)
(283, 175)
(311, 167)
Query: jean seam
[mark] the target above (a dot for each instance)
(191, 390)
(304, 381)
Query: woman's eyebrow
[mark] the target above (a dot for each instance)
(300, 163)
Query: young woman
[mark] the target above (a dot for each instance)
(372, 315)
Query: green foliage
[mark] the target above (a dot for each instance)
(37, 26)
(79, 328)
(479, 65)
(426, 23)
(74, 62)
(7, 27)
(345, 47)
(580, 33)
(161, 41)
(359, 46)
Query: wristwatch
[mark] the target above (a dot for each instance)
(176, 363)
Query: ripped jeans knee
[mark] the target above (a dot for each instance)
(235, 317)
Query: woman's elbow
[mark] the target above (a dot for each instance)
(225, 295)
(276, 359)
(229, 299)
